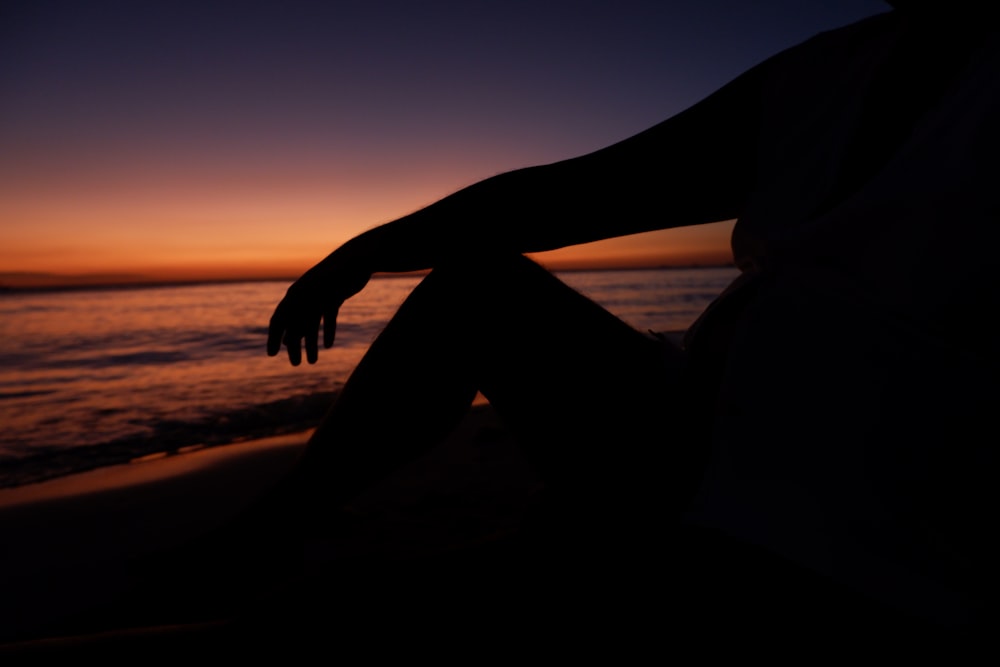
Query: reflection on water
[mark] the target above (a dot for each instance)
(86, 367)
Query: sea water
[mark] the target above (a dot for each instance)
(93, 377)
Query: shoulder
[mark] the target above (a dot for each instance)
(836, 50)
(880, 28)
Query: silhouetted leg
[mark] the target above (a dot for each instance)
(593, 401)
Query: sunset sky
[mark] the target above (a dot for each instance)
(208, 139)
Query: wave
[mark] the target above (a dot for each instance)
(25, 393)
(287, 415)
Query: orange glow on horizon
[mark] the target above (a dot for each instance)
(703, 245)
(164, 223)
(127, 216)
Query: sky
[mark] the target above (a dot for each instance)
(203, 140)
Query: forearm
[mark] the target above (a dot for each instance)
(502, 214)
(694, 168)
(546, 208)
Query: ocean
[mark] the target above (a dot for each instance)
(96, 377)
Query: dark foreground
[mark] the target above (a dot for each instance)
(462, 551)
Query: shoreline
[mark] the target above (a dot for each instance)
(142, 470)
(282, 418)
(85, 552)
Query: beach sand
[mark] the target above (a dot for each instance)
(102, 558)
(138, 560)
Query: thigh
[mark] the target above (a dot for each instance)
(600, 407)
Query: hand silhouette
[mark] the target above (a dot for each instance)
(314, 298)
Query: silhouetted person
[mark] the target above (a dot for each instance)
(827, 411)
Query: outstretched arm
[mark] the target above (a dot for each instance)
(693, 168)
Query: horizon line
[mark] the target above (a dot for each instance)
(30, 281)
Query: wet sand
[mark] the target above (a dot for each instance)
(122, 550)
(137, 560)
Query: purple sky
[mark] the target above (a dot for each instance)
(195, 130)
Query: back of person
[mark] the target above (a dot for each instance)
(850, 428)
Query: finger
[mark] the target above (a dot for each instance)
(312, 345)
(330, 326)
(275, 330)
(293, 344)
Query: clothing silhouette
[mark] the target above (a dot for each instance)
(828, 411)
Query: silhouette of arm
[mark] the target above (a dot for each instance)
(693, 168)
